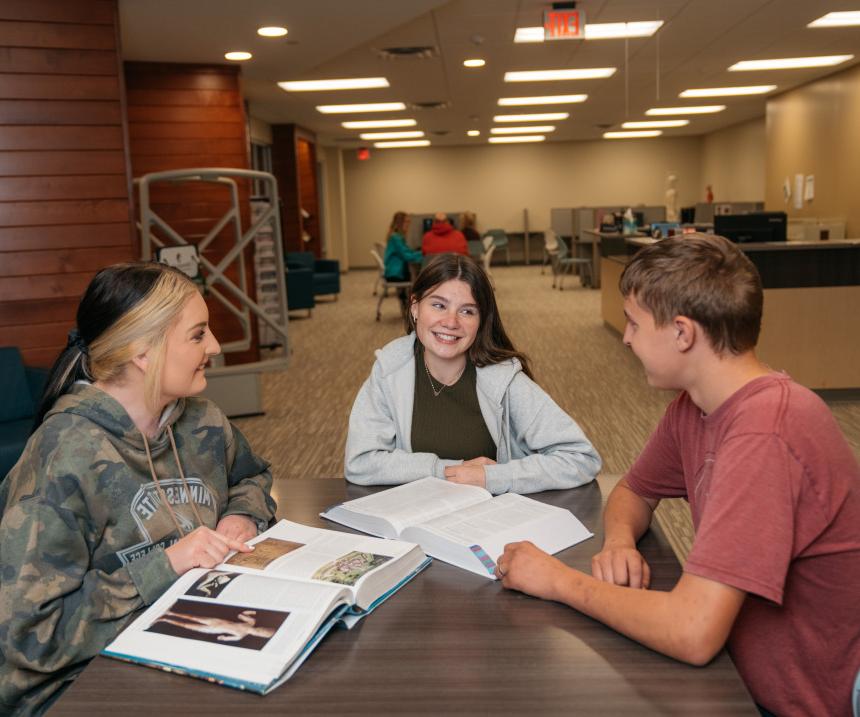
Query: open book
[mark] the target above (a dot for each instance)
(460, 524)
(252, 620)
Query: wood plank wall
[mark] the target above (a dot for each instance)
(64, 187)
(192, 116)
(294, 166)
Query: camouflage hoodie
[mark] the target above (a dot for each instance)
(83, 530)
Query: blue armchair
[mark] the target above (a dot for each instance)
(300, 288)
(24, 389)
(326, 271)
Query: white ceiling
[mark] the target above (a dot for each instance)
(339, 38)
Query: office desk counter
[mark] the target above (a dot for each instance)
(449, 642)
(808, 328)
(603, 244)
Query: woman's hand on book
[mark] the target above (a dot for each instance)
(470, 472)
(237, 527)
(202, 548)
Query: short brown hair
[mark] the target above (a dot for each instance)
(705, 278)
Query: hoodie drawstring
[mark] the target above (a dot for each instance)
(184, 483)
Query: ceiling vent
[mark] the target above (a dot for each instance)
(429, 105)
(416, 52)
(440, 132)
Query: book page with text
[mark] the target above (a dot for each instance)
(507, 518)
(418, 501)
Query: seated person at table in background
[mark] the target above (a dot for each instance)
(454, 399)
(398, 255)
(443, 238)
(467, 226)
(774, 489)
(101, 514)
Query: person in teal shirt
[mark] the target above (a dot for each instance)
(398, 255)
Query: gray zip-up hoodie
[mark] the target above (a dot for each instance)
(539, 446)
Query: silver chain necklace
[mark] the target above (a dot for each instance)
(443, 386)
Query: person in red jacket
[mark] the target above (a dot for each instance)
(443, 238)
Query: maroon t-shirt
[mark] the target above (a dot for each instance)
(774, 489)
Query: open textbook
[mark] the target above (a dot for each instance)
(252, 620)
(460, 524)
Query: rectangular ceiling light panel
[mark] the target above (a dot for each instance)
(728, 91)
(790, 63)
(837, 19)
(378, 124)
(355, 83)
(589, 73)
(632, 135)
(540, 117)
(355, 109)
(542, 100)
(596, 31)
(517, 139)
(529, 129)
(656, 123)
(691, 110)
(405, 143)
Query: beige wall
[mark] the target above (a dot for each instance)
(733, 162)
(814, 130)
(333, 206)
(498, 182)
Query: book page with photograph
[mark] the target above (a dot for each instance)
(368, 567)
(241, 629)
(473, 538)
(388, 512)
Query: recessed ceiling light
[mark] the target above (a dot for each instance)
(543, 100)
(632, 135)
(518, 138)
(837, 19)
(272, 31)
(590, 73)
(656, 123)
(692, 110)
(728, 91)
(391, 135)
(474, 62)
(237, 56)
(474, 133)
(531, 129)
(378, 124)
(597, 31)
(371, 107)
(539, 117)
(613, 30)
(353, 83)
(790, 63)
(407, 143)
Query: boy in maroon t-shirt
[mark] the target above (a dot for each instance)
(773, 487)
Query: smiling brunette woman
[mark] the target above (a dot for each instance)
(454, 399)
(125, 484)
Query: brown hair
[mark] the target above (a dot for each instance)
(467, 219)
(492, 344)
(705, 278)
(397, 222)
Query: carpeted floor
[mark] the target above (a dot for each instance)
(579, 362)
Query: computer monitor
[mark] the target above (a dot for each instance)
(688, 215)
(752, 227)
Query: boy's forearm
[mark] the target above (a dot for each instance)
(626, 517)
(690, 623)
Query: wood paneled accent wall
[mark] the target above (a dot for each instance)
(64, 191)
(295, 167)
(192, 116)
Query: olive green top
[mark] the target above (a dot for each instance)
(449, 425)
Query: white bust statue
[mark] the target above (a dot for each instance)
(671, 199)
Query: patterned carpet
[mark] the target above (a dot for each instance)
(579, 362)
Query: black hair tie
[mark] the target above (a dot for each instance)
(77, 341)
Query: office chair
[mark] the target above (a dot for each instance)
(564, 263)
(380, 249)
(500, 239)
(386, 283)
(550, 250)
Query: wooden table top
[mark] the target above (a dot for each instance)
(450, 642)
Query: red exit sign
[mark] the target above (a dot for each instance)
(563, 25)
